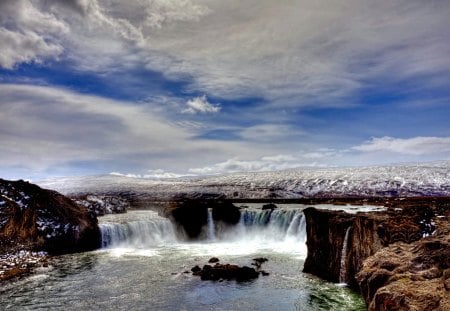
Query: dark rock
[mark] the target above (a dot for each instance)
(270, 206)
(43, 219)
(213, 260)
(189, 215)
(264, 273)
(225, 211)
(226, 272)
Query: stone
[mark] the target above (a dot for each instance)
(226, 272)
(41, 219)
(213, 260)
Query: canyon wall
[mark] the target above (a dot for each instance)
(397, 259)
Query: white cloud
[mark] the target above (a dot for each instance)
(46, 128)
(411, 146)
(289, 53)
(201, 105)
(152, 174)
(27, 34)
(265, 163)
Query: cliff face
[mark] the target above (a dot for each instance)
(192, 215)
(385, 256)
(325, 232)
(406, 276)
(45, 220)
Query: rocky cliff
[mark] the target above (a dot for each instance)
(392, 257)
(192, 215)
(35, 218)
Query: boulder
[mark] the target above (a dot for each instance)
(226, 272)
(40, 219)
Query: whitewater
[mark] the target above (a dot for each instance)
(145, 262)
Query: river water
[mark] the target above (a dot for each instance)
(143, 265)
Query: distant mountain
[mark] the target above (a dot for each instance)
(425, 179)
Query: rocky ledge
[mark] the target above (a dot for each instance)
(398, 259)
(33, 218)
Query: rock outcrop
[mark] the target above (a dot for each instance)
(38, 219)
(398, 259)
(192, 215)
(103, 204)
(405, 276)
(228, 272)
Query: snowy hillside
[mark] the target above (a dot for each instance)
(404, 180)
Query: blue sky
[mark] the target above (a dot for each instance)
(167, 88)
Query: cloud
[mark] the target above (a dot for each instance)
(265, 163)
(28, 34)
(296, 54)
(201, 105)
(152, 174)
(410, 146)
(46, 128)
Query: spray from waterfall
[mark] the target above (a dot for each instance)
(343, 267)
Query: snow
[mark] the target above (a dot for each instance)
(402, 180)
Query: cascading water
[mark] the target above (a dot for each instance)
(343, 267)
(282, 230)
(150, 232)
(211, 235)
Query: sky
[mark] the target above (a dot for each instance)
(164, 88)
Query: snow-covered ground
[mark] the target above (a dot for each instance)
(404, 180)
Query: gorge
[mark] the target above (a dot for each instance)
(394, 251)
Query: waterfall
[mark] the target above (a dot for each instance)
(211, 234)
(281, 225)
(146, 233)
(343, 267)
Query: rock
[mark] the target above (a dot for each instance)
(192, 215)
(417, 280)
(258, 262)
(225, 211)
(196, 269)
(42, 219)
(270, 206)
(226, 272)
(213, 260)
(103, 204)
(368, 233)
(325, 238)
(264, 273)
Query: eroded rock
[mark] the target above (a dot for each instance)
(40, 219)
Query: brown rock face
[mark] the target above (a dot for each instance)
(45, 220)
(325, 238)
(367, 233)
(412, 276)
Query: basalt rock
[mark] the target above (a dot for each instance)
(405, 276)
(192, 215)
(40, 219)
(367, 233)
(399, 259)
(226, 272)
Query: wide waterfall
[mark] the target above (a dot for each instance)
(145, 263)
(150, 231)
(282, 230)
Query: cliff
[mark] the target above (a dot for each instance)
(384, 254)
(40, 219)
(192, 215)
